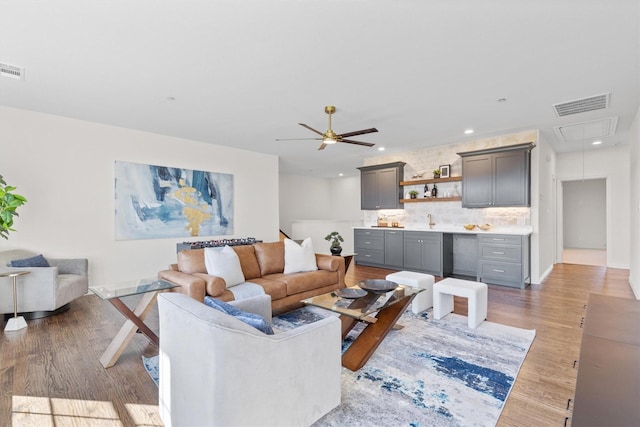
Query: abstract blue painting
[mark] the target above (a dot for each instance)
(154, 202)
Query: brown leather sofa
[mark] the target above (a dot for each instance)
(263, 264)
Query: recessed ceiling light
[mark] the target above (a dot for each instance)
(380, 148)
(502, 99)
(170, 98)
(340, 174)
(468, 131)
(596, 142)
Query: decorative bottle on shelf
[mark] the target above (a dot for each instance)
(426, 191)
(434, 191)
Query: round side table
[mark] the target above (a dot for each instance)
(16, 322)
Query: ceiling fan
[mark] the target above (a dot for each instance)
(330, 137)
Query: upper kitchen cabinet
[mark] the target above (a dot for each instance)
(497, 177)
(380, 186)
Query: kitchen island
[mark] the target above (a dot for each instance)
(498, 256)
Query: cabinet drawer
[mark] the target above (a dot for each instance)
(376, 243)
(369, 256)
(500, 271)
(368, 233)
(507, 253)
(501, 238)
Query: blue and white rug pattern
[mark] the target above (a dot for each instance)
(430, 373)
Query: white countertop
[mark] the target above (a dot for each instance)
(518, 230)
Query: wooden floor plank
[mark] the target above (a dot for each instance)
(58, 357)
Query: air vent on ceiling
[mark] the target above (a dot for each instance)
(591, 103)
(584, 131)
(11, 71)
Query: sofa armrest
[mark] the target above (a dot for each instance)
(329, 262)
(78, 266)
(188, 283)
(213, 285)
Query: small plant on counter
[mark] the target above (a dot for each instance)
(436, 173)
(413, 194)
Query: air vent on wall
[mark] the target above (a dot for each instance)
(578, 132)
(597, 102)
(11, 71)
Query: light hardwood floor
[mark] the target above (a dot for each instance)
(52, 367)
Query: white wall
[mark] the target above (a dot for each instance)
(585, 214)
(634, 209)
(303, 197)
(612, 164)
(65, 168)
(543, 207)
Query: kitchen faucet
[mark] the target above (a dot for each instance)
(431, 223)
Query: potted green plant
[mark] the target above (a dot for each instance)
(9, 202)
(335, 238)
(413, 194)
(436, 173)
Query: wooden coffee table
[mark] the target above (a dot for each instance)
(378, 310)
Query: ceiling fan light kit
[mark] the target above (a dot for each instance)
(330, 137)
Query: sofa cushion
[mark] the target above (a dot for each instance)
(270, 257)
(252, 319)
(299, 282)
(191, 261)
(224, 262)
(276, 289)
(248, 261)
(36, 261)
(299, 257)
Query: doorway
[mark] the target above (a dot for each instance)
(584, 222)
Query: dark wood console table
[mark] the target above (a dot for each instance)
(608, 383)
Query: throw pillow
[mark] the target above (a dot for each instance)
(36, 261)
(251, 319)
(298, 258)
(224, 263)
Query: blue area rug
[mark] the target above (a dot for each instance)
(430, 373)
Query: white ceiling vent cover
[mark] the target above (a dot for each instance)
(578, 132)
(583, 105)
(11, 71)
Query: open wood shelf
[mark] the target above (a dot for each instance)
(431, 199)
(432, 181)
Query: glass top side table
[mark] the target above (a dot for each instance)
(16, 322)
(149, 289)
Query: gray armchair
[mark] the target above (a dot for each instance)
(45, 290)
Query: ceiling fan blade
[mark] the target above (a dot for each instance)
(311, 129)
(358, 132)
(348, 141)
(298, 139)
(322, 146)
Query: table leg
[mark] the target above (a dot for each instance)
(16, 322)
(135, 321)
(370, 338)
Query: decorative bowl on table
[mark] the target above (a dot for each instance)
(377, 286)
(469, 226)
(350, 293)
(485, 227)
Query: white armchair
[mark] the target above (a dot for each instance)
(45, 290)
(218, 371)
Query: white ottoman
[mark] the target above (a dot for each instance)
(475, 292)
(424, 299)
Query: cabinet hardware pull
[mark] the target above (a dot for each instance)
(368, 256)
(498, 240)
(498, 271)
(498, 253)
(581, 322)
(565, 421)
(575, 362)
(568, 404)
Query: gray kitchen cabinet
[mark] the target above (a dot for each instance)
(393, 248)
(465, 255)
(380, 186)
(504, 260)
(369, 246)
(497, 177)
(428, 252)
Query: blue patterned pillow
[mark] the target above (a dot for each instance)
(36, 261)
(251, 319)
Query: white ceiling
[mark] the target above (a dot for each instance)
(245, 72)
